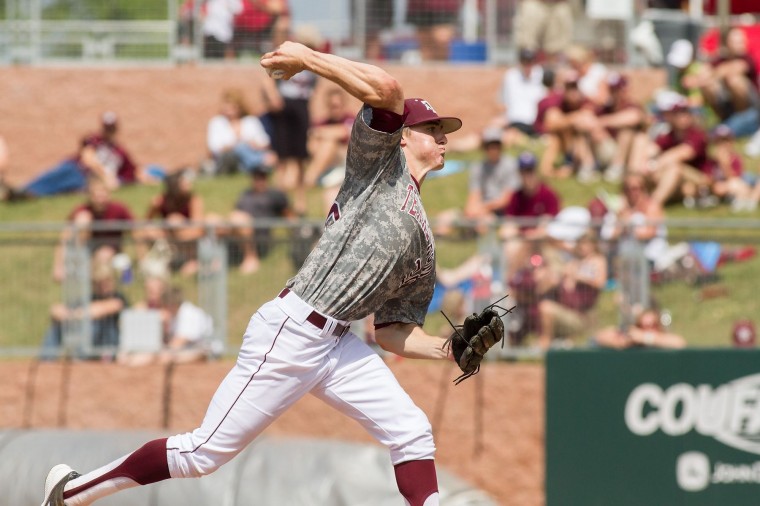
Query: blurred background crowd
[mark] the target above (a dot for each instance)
(563, 193)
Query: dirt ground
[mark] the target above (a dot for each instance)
(507, 461)
(163, 111)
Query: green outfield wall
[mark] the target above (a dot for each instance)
(653, 428)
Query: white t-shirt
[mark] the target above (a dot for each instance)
(589, 83)
(220, 16)
(221, 135)
(192, 323)
(521, 95)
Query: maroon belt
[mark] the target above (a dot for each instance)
(318, 320)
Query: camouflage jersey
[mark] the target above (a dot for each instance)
(377, 253)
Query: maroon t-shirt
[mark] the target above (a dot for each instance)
(750, 73)
(114, 157)
(543, 202)
(553, 99)
(614, 108)
(694, 137)
(114, 211)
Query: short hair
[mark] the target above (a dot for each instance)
(237, 97)
(172, 297)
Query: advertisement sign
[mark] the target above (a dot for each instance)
(653, 427)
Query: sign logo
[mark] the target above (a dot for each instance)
(693, 471)
(729, 413)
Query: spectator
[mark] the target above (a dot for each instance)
(678, 162)
(544, 25)
(100, 155)
(575, 293)
(90, 222)
(621, 120)
(732, 90)
(379, 17)
(288, 102)
(690, 73)
(103, 312)
(592, 75)
(566, 118)
(646, 332)
(186, 330)
(261, 25)
(218, 27)
(259, 202)
(180, 211)
(493, 180)
(726, 180)
(236, 139)
(534, 200)
(435, 22)
(522, 90)
(328, 138)
(641, 216)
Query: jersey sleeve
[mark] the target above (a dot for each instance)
(371, 150)
(400, 310)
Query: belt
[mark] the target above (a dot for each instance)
(319, 320)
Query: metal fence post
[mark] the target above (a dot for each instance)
(212, 286)
(76, 333)
(634, 278)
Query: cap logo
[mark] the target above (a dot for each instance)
(428, 106)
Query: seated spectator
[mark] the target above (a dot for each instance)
(726, 180)
(186, 329)
(90, 222)
(565, 119)
(180, 211)
(259, 202)
(545, 27)
(522, 90)
(732, 89)
(690, 73)
(99, 155)
(621, 120)
(642, 217)
(435, 22)
(592, 75)
(566, 311)
(236, 139)
(647, 332)
(534, 201)
(493, 180)
(328, 138)
(103, 312)
(678, 163)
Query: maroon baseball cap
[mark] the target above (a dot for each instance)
(418, 111)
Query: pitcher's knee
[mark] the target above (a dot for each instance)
(193, 460)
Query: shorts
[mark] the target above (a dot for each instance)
(427, 19)
(291, 127)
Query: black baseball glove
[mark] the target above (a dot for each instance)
(470, 342)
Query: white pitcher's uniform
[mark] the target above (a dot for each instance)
(376, 256)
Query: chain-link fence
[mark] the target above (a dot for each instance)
(412, 31)
(560, 292)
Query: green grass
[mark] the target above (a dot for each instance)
(29, 289)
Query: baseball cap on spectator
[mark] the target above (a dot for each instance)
(491, 136)
(681, 54)
(418, 111)
(570, 224)
(109, 118)
(670, 101)
(571, 78)
(526, 55)
(616, 81)
(526, 162)
(744, 335)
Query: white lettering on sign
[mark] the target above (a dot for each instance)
(729, 413)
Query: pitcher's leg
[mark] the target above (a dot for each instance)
(361, 386)
(267, 379)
